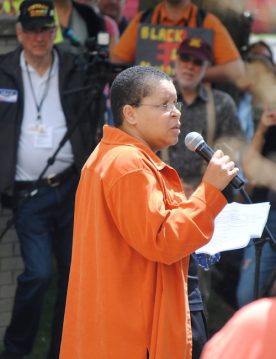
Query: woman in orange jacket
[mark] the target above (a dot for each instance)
(134, 231)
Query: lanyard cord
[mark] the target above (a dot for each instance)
(46, 89)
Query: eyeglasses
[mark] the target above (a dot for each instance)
(166, 107)
(188, 58)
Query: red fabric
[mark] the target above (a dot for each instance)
(249, 334)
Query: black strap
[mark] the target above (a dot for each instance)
(38, 104)
(200, 16)
(146, 16)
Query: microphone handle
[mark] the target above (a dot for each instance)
(207, 152)
(237, 182)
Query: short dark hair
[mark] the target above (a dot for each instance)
(131, 86)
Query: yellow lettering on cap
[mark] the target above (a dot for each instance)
(38, 6)
(35, 13)
(38, 10)
(195, 42)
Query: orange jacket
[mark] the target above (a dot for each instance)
(133, 233)
(224, 48)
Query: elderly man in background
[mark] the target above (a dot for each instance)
(114, 9)
(36, 115)
(213, 114)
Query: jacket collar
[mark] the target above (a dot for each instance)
(201, 95)
(9, 63)
(10, 60)
(115, 136)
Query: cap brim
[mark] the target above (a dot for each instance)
(36, 24)
(194, 54)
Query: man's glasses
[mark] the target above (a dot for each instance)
(168, 107)
(188, 58)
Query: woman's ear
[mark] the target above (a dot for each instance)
(129, 114)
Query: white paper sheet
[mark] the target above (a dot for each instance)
(235, 225)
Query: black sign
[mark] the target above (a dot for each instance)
(157, 44)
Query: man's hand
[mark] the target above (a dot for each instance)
(220, 170)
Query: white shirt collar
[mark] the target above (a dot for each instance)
(32, 70)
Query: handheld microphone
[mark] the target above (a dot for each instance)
(195, 143)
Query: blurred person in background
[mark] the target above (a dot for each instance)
(77, 22)
(213, 114)
(260, 72)
(259, 166)
(35, 115)
(114, 9)
(220, 123)
(249, 334)
(111, 26)
(227, 64)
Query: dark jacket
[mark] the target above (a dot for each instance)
(76, 107)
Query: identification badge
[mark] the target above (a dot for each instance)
(8, 95)
(43, 136)
(36, 127)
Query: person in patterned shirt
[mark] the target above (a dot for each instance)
(208, 111)
(213, 114)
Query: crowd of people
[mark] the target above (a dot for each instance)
(77, 148)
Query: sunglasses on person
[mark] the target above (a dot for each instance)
(187, 58)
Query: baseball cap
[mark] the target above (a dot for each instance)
(196, 47)
(36, 13)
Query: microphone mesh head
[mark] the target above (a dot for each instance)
(193, 140)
